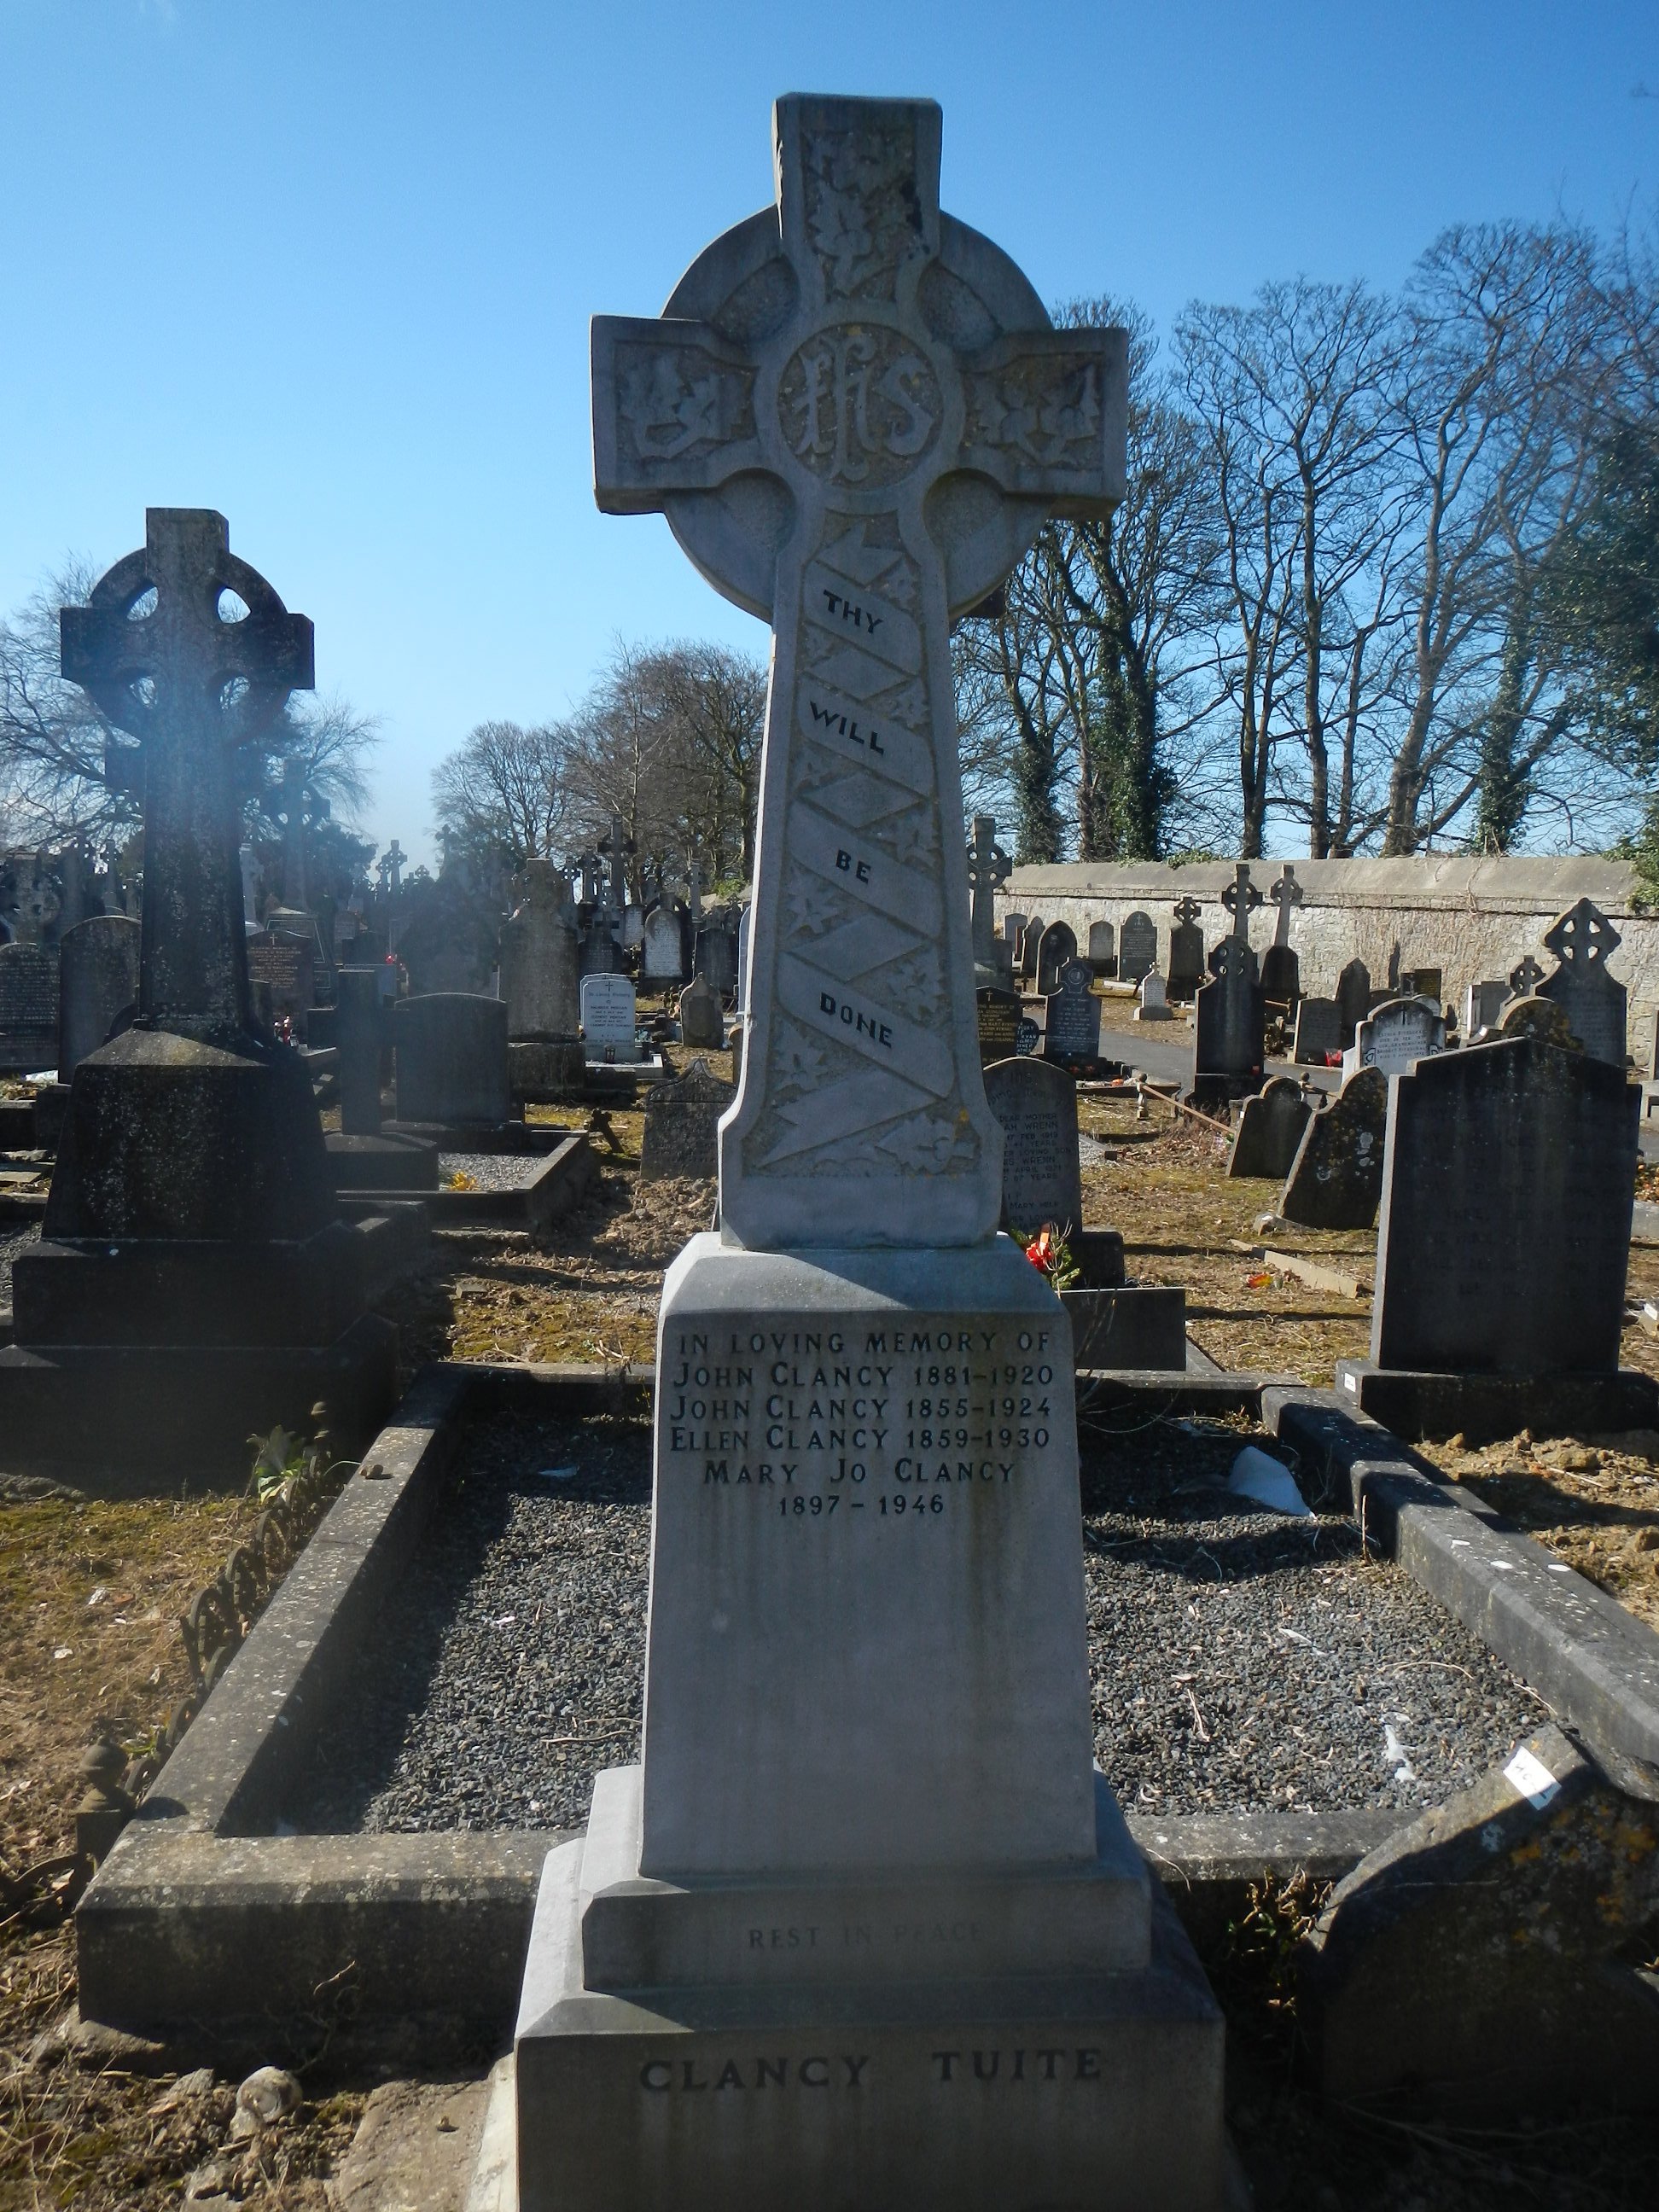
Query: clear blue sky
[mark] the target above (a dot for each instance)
(327, 264)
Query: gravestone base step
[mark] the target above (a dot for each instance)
(399, 1163)
(1103, 2088)
(544, 1070)
(186, 1411)
(479, 1136)
(1140, 1325)
(1417, 1402)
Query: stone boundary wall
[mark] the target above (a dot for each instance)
(1471, 919)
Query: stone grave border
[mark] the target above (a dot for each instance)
(274, 1939)
(565, 1176)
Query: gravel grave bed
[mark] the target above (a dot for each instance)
(491, 1171)
(12, 1241)
(1239, 1660)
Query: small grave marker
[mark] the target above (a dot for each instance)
(1318, 1032)
(703, 1024)
(1154, 1000)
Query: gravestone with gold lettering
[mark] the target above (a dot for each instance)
(866, 1928)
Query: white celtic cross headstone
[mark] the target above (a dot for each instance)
(855, 417)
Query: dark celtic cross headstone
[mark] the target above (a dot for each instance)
(1058, 945)
(1186, 949)
(195, 1281)
(989, 869)
(194, 682)
(1525, 977)
(1582, 940)
(855, 439)
(1071, 1032)
(1281, 970)
(1230, 1013)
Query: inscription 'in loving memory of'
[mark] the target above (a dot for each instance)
(900, 1398)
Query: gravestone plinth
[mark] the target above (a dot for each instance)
(195, 1281)
(823, 1891)
(1502, 1247)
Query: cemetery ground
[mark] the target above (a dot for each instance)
(1202, 1694)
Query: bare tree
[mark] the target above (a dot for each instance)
(509, 787)
(53, 738)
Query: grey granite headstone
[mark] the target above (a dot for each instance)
(1582, 941)
(998, 1023)
(451, 1059)
(1103, 948)
(662, 953)
(1030, 939)
(97, 980)
(609, 1019)
(1186, 950)
(1336, 1177)
(1137, 947)
(1154, 1000)
(28, 1008)
(1059, 945)
(681, 1124)
(538, 979)
(1505, 1236)
(1072, 1030)
(1270, 1128)
(1353, 998)
(1396, 1037)
(1318, 1032)
(1041, 1177)
(702, 1021)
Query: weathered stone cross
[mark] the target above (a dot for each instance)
(1285, 894)
(1581, 939)
(1240, 898)
(1186, 908)
(194, 680)
(989, 869)
(855, 417)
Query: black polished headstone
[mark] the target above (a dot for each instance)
(1504, 1237)
(1230, 1021)
(1185, 950)
(1042, 1178)
(1354, 997)
(1072, 1030)
(1318, 1032)
(1058, 945)
(1137, 947)
(998, 1023)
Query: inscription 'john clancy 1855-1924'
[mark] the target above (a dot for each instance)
(855, 416)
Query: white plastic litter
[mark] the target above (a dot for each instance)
(1269, 1481)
